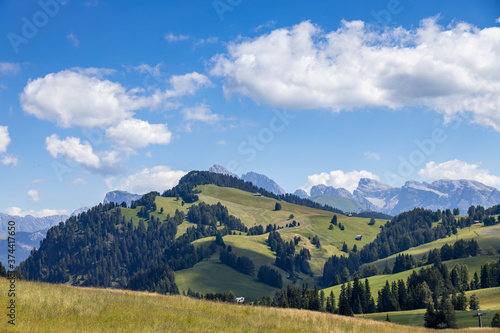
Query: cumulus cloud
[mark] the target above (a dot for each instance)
(450, 70)
(158, 178)
(456, 169)
(9, 68)
(75, 151)
(4, 139)
(9, 160)
(33, 194)
(135, 133)
(187, 84)
(76, 98)
(171, 37)
(369, 155)
(200, 113)
(338, 178)
(16, 211)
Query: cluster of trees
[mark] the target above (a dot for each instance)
(300, 298)
(147, 201)
(259, 229)
(490, 275)
(315, 241)
(286, 258)
(242, 264)
(187, 192)
(460, 249)
(270, 276)
(403, 263)
(204, 214)
(356, 298)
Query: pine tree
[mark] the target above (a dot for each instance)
(387, 319)
(474, 302)
(449, 317)
(430, 317)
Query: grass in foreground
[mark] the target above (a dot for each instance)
(43, 307)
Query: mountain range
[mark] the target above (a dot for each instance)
(440, 194)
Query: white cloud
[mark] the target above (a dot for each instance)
(4, 139)
(187, 84)
(16, 211)
(135, 133)
(450, 70)
(158, 178)
(497, 20)
(370, 155)
(200, 113)
(73, 39)
(221, 142)
(170, 37)
(74, 151)
(33, 194)
(456, 169)
(9, 68)
(9, 160)
(338, 178)
(37, 181)
(79, 98)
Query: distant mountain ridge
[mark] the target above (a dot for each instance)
(120, 196)
(440, 194)
(257, 179)
(30, 223)
(216, 168)
(263, 181)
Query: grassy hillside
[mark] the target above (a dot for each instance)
(344, 204)
(256, 210)
(485, 236)
(45, 307)
(489, 303)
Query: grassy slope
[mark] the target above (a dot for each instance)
(489, 302)
(485, 236)
(253, 210)
(43, 307)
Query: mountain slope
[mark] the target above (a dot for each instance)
(263, 181)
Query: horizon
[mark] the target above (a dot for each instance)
(327, 93)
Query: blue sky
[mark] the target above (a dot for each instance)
(101, 95)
